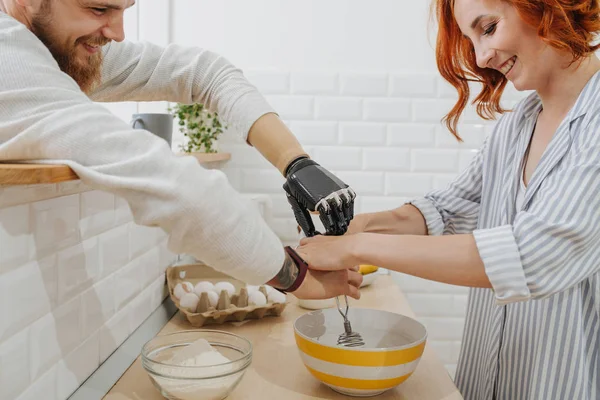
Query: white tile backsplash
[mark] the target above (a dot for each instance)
(362, 134)
(411, 135)
(142, 239)
(387, 110)
(315, 132)
(77, 366)
(413, 85)
(55, 224)
(113, 249)
(364, 85)
(27, 292)
(127, 284)
(42, 388)
(15, 237)
(408, 184)
(314, 83)
(14, 365)
(78, 269)
(338, 108)
(434, 160)
(54, 336)
(387, 159)
(114, 332)
(97, 213)
(367, 183)
(339, 157)
(97, 305)
(69, 262)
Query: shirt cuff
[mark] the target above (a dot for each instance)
(502, 262)
(433, 219)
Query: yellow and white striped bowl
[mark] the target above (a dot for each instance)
(394, 345)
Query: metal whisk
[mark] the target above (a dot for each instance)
(348, 338)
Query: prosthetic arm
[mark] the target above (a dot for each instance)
(308, 186)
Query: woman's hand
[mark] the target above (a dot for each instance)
(328, 284)
(358, 224)
(329, 253)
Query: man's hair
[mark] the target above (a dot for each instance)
(566, 25)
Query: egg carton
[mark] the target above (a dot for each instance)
(229, 308)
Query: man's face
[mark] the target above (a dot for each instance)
(75, 30)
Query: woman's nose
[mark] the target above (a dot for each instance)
(484, 56)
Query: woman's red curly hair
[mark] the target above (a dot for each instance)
(566, 25)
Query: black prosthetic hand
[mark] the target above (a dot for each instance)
(310, 187)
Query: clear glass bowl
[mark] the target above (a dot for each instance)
(211, 382)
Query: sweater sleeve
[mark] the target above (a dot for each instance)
(147, 72)
(45, 117)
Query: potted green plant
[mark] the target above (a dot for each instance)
(201, 129)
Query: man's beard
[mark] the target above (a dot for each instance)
(86, 73)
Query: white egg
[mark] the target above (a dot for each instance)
(270, 290)
(252, 288)
(182, 288)
(276, 297)
(257, 298)
(189, 301)
(226, 286)
(204, 286)
(213, 298)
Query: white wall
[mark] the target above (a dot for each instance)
(357, 83)
(375, 35)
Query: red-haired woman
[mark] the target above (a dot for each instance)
(521, 225)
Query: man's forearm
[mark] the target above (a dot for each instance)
(287, 275)
(275, 141)
(405, 220)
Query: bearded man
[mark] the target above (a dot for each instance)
(59, 57)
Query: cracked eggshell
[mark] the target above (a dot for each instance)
(182, 288)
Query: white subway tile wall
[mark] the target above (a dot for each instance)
(77, 277)
(381, 133)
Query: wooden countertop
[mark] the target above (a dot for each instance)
(274, 346)
(31, 174)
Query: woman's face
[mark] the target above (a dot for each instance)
(504, 42)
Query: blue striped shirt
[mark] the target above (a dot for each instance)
(536, 334)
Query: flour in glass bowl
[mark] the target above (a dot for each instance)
(200, 385)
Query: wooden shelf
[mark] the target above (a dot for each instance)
(208, 157)
(32, 174)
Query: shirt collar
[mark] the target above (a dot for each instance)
(588, 100)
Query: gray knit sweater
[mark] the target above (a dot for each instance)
(45, 117)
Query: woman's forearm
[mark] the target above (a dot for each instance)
(452, 259)
(272, 138)
(405, 220)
